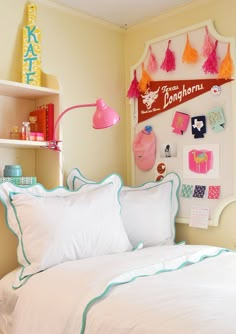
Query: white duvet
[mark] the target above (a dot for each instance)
(150, 291)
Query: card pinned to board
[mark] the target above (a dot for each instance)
(180, 122)
(216, 119)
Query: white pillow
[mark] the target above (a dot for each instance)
(148, 212)
(60, 225)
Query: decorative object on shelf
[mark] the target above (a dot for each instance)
(15, 133)
(25, 131)
(190, 55)
(33, 123)
(226, 67)
(37, 136)
(20, 180)
(168, 63)
(12, 170)
(50, 120)
(45, 120)
(103, 117)
(31, 58)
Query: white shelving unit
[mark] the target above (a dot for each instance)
(16, 101)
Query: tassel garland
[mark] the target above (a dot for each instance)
(208, 44)
(133, 91)
(144, 81)
(152, 62)
(211, 64)
(168, 63)
(226, 67)
(190, 55)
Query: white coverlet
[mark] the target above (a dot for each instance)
(83, 296)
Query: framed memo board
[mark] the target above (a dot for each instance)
(185, 98)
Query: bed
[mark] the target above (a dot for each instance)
(99, 257)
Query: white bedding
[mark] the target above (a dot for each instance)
(83, 296)
(8, 299)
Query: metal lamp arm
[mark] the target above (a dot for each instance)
(65, 111)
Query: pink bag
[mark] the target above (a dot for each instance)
(144, 148)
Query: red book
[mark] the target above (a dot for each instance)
(45, 120)
(50, 120)
(41, 115)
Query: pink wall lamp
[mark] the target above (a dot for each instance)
(103, 117)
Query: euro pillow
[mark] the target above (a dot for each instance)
(148, 211)
(65, 226)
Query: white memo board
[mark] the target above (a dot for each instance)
(220, 143)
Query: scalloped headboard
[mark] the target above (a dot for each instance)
(189, 90)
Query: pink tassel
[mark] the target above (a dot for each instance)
(152, 62)
(133, 91)
(211, 64)
(168, 63)
(208, 44)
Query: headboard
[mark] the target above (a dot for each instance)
(217, 236)
(201, 153)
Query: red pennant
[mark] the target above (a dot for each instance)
(164, 95)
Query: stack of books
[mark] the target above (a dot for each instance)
(20, 180)
(45, 120)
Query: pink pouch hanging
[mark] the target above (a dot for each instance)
(144, 148)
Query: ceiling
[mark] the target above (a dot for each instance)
(123, 13)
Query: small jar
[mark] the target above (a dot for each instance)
(25, 131)
(15, 133)
(33, 124)
(12, 171)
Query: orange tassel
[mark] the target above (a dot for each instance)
(144, 81)
(226, 67)
(190, 55)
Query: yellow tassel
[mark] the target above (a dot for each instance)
(226, 67)
(190, 55)
(144, 81)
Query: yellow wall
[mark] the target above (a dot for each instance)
(87, 56)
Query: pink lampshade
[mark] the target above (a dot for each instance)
(104, 116)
